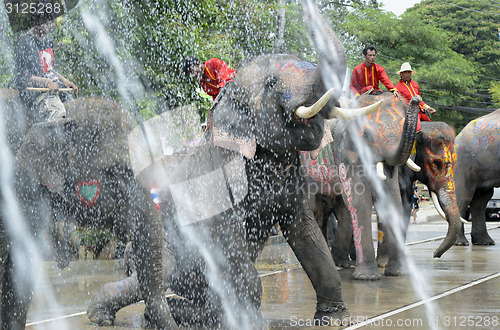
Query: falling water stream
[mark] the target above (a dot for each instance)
(130, 90)
(387, 211)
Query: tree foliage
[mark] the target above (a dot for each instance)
(134, 50)
(472, 30)
(442, 73)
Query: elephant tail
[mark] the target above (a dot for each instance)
(403, 151)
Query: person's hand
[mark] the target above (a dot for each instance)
(431, 110)
(72, 86)
(395, 93)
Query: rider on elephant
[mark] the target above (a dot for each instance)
(366, 76)
(408, 88)
(35, 66)
(213, 74)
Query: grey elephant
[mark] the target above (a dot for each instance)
(77, 167)
(435, 156)
(275, 108)
(477, 172)
(435, 160)
(342, 177)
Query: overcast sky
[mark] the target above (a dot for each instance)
(398, 6)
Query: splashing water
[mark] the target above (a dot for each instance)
(387, 211)
(131, 90)
(24, 247)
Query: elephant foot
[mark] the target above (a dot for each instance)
(336, 315)
(394, 269)
(345, 263)
(382, 261)
(482, 240)
(462, 241)
(101, 315)
(366, 273)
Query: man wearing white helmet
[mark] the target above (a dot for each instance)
(409, 88)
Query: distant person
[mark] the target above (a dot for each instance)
(35, 66)
(213, 74)
(408, 88)
(366, 76)
(415, 203)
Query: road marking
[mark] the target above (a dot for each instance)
(56, 318)
(422, 302)
(396, 311)
(142, 301)
(442, 237)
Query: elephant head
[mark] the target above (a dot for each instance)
(435, 154)
(279, 102)
(390, 132)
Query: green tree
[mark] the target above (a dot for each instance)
(445, 76)
(472, 30)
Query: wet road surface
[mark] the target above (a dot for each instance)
(462, 288)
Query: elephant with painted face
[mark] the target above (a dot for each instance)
(343, 177)
(76, 167)
(477, 172)
(436, 158)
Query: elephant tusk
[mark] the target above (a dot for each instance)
(353, 113)
(435, 200)
(411, 164)
(308, 112)
(463, 220)
(380, 171)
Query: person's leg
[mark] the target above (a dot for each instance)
(49, 107)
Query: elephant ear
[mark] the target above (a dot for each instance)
(233, 126)
(44, 153)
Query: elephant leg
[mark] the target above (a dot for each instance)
(307, 242)
(343, 236)
(394, 227)
(382, 249)
(479, 234)
(464, 213)
(112, 297)
(17, 291)
(360, 212)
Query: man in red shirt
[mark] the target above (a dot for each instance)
(213, 74)
(409, 88)
(366, 76)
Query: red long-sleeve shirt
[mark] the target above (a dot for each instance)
(409, 90)
(364, 78)
(218, 73)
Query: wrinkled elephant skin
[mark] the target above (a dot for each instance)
(342, 178)
(435, 155)
(82, 164)
(477, 172)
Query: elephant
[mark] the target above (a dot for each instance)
(435, 160)
(477, 172)
(76, 167)
(275, 108)
(435, 156)
(343, 178)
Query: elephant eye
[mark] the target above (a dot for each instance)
(438, 165)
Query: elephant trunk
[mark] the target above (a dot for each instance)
(147, 238)
(403, 151)
(331, 52)
(448, 203)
